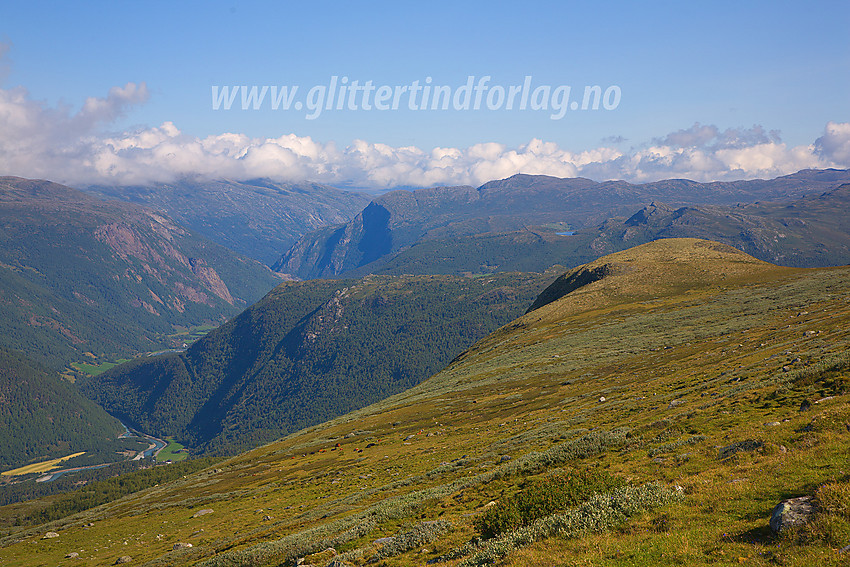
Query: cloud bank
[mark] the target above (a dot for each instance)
(75, 148)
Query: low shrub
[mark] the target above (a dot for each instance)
(420, 534)
(543, 497)
(600, 513)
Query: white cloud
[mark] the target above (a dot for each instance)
(835, 142)
(72, 147)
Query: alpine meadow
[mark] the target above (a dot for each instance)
(450, 284)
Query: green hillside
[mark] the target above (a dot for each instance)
(310, 351)
(653, 416)
(79, 275)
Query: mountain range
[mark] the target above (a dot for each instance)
(461, 222)
(258, 218)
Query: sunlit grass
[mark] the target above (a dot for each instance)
(42, 467)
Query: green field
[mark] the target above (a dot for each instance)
(95, 369)
(170, 452)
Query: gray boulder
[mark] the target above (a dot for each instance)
(791, 512)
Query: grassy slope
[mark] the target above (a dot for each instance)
(677, 320)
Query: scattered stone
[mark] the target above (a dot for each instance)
(602, 399)
(490, 503)
(772, 424)
(811, 333)
(123, 559)
(786, 368)
(409, 437)
(89, 525)
(50, 535)
(193, 534)
(203, 512)
(783, 449)
(72, 555)
(674, 404)
(216, 471)
(267, 518)
(504, 458)
(181, 545)
(791, 512)
(258, 511)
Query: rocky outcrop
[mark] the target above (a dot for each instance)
(792, 512)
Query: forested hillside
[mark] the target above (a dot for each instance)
(43, 417)
(310, 351)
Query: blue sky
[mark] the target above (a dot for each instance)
(779, 66)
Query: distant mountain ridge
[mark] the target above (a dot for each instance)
(398, 220)
(257, 218)
(78, 274)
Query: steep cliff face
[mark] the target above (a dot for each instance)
(258, 218)
(161, 260)
(334, 250)
(79, 275)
